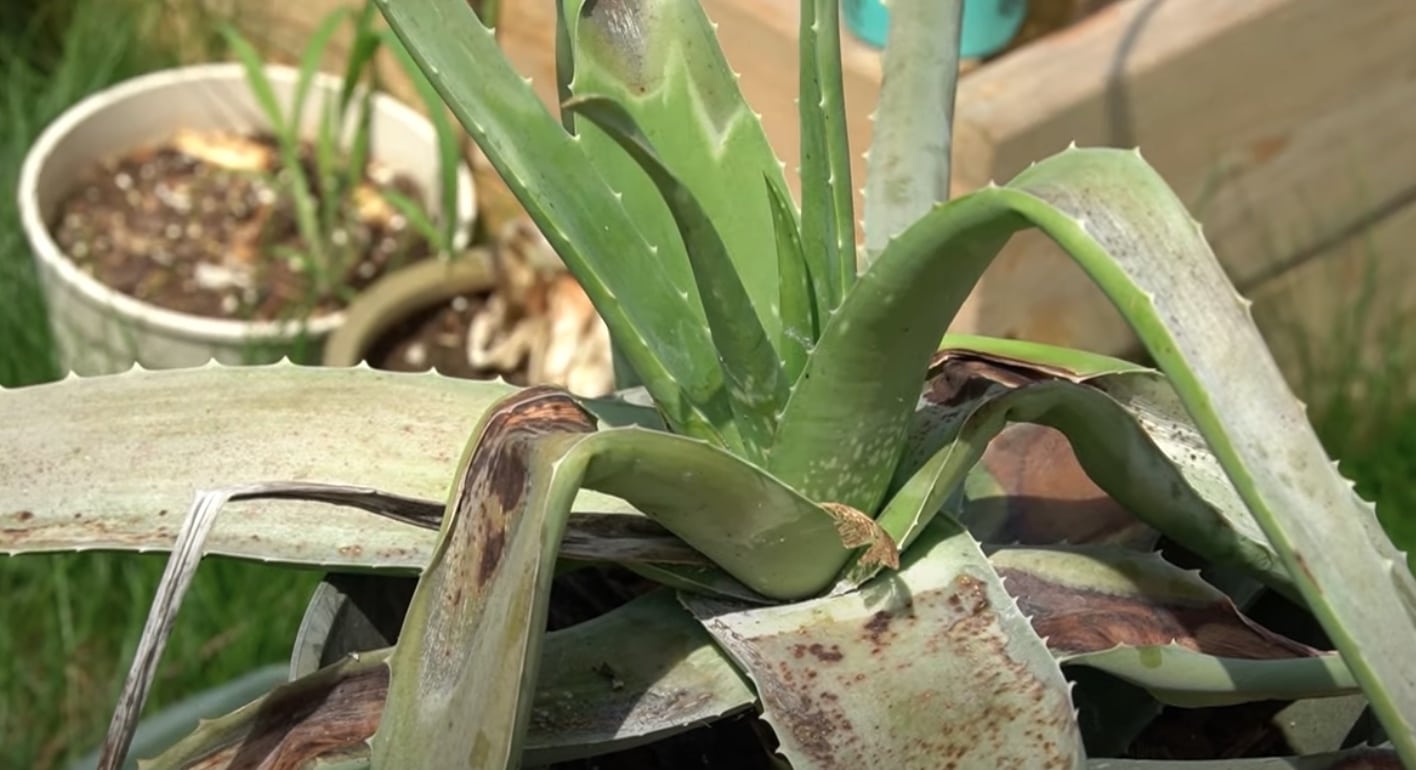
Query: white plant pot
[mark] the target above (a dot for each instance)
(99, 330)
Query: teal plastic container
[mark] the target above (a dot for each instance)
(988, 24)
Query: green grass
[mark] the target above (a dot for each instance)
(71, 621)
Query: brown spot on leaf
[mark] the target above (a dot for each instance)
(494, 487)
(24, 515)
(821, 652)
(949, 692)
(324, 717)
(1079, 620)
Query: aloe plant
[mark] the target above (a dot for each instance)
(805, 470)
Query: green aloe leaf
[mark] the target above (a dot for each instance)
(661, 61)
(473, 631)
(913, 127)
(797, 302)
(827, 220)
(105, 476)
(751, 368)
(1069, 363)
(971, 401)
(639, 673)
(1140, 618)
(656, 322)
(967, 679)
(1117, 218)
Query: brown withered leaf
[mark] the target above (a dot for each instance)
(859, 530)
(1088, 599)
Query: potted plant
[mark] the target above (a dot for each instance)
(800, 469)
(229, 211)
(506, 309)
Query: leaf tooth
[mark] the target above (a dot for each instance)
(1137, 151)
(1071, 146)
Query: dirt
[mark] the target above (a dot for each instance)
(201, 224)
(436, 338)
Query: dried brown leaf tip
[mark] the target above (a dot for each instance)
(857, 529)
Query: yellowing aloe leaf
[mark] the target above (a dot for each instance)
(930, 665)
(106, 475)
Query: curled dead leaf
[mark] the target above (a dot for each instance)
(859, 530)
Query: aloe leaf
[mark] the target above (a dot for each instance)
(1340, 760)
(1067, 363)
(972, 406)
(912, 139)
(751, 368)
(796, 300)
(1147, 396)
(660, 330)
(340, 704)
(1117, 218)
(105, 476)
(750, 525)
(467, 655)
(1029, 489)
(827, 221)
(472, 633)
(967, 679)
(332, 426)
(639, 673)
(661, 60)
(1163, 628)
(840, 437)
(1180, 677)
(176, 578)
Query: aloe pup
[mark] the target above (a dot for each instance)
(806, 479)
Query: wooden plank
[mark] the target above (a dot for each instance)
(1337, 319)
(1266, 116)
